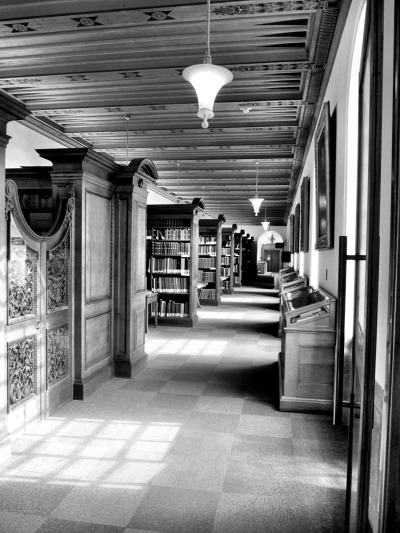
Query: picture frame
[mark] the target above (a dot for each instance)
(291, 233)
(296, 246)
(305, 215)
(324, 182)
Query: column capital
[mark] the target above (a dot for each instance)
(3, 139)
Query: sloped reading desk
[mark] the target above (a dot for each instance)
(306, 362)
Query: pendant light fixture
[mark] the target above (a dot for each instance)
(207, 79)
(256, 201)
(265, 224)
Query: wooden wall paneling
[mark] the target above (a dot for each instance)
(98, 252)
(89, 175)
(130, 271)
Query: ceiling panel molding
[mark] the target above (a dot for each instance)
(81, 67)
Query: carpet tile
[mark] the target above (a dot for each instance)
(193, 443)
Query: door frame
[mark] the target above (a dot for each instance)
(390, 492)
(373, 41)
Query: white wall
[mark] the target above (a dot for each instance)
(257, 231)
(321, 267)
(155, 197)
(21, 149)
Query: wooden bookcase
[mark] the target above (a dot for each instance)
(227, 258)
(172, 261)
(237, 259)
(210, 261)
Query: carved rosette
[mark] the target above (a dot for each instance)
(57, 276)
(57, 354)
(22, 370)
(22, 287)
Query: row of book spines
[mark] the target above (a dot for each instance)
(172, 234)
(207, 294)
(170, 284)
(207, 240)
(170, 223)
(226, 284)
(171, 248)
(225, 271)
(225, 262)
(176, 272)
(207, 250)
(225, 251)
(210, 277)
(207, 263)
(168, 264)
(169, 308)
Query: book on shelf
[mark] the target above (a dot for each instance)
(207, 294)
(169, 265)
(207, 262)
(169, 308)
(209, 277)
(170, 248)
(170, 285)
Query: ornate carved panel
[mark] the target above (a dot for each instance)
(22, 278)
(57, 348)
(22, 370)
(57, 276)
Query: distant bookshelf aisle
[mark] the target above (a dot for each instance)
(237, 260)
(227, 259)
(172, 235)
(210, 261)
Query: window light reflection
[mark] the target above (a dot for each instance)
(83, 451)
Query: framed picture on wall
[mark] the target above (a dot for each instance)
(291, 233)
(323, 183)
(305, 215)
(297, 229)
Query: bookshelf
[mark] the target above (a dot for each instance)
(172, 261)
(210, 260)
(227, 258)
(237, 259)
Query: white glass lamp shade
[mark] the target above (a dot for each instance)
(265, 225)
(256, 202)
(207, 79)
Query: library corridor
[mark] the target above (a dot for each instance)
(193, 443)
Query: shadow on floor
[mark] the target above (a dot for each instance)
(261, 383)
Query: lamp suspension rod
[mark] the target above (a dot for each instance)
(256, 178)
(208, 52)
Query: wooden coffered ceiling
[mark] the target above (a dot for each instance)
(81, 67)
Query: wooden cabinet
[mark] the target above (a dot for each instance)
(209, 261)
(172, 261)
(227, 259)
(306, 362)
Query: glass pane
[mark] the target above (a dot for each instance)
(359, 297)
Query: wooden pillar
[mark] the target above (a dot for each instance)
(10, 110)
(90, 176)
(130, 270)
